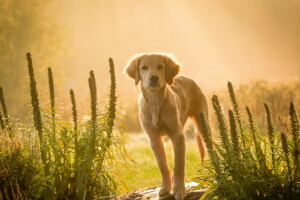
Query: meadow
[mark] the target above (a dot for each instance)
(45, 156)
(142, 171)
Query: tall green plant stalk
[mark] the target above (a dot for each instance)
(4, 108)
(1, 122)
(260, 156)
(85, 167)
(52, 97)
(111, 109)
(295, 133)
(93, 95)
(236, 111)
(251, 124)
(112, 98)
(5, 113)
(205, 130)
(234, 135)
(36, 110)
(53, 133)
(223, 131)
(285, 149)
(74, 113)
(270, 133)
(75, 129)
(75, 122)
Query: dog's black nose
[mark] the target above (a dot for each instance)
(154, 78)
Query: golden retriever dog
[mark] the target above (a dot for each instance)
(165, 103)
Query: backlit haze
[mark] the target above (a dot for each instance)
(215, 40)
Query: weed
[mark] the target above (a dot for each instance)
(241, 175)
(67, 161)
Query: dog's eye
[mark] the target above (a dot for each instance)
(160, 67)
(144, 67)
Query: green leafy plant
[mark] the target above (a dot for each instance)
(260, 168)
(68, 160)
(294, 123)
(19, 171)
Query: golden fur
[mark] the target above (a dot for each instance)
(165, 103)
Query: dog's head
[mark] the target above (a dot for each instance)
(154, 70)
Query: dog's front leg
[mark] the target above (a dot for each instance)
(160, 155)
(179, 165)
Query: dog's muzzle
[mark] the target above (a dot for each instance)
(154, 81)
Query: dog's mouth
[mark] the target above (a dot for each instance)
(153, 84)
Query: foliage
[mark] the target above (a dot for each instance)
(57, 159)
(260, 168)
(19, 170)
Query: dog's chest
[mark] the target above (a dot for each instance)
(151, 115)
(158, 111)
(157, 119)
(154, 115)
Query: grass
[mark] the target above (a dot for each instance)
(143, 171)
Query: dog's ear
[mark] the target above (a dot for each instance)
(132, 68)
(172, 68)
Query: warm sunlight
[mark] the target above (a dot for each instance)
(149, 99)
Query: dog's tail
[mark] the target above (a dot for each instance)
(200, 146)
(198, 135)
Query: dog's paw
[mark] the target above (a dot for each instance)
(179, 192)
(164, 191)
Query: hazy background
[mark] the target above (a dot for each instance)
(215, 40)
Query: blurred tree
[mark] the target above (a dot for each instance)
(24, 26)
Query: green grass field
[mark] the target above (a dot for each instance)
(143, 171)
